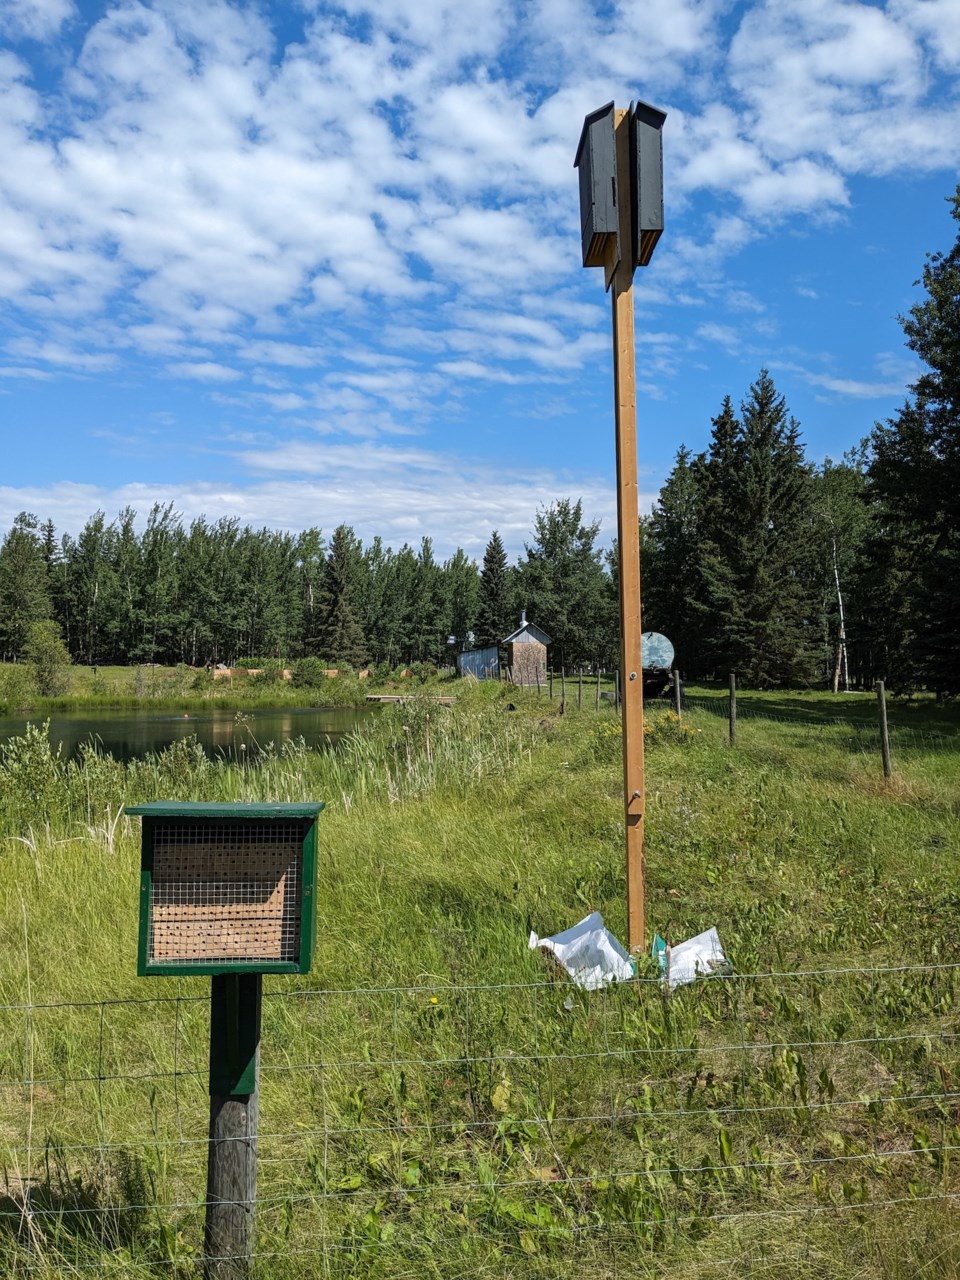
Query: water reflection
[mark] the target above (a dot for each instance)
(127, 735)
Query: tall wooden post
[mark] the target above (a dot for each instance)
(628, 536)
(620, 163)
(235, 1001)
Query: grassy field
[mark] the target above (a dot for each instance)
(433, 1102)
(182, 687)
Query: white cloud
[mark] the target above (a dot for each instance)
(195, 194)
(25, 371)
(937, 22)
(203, 371)
(724, 335)
(62, 356)
(34, 19)
(844, 80)
(455, 503)
(895, 375)
(854, 388)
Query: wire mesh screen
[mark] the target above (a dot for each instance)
(225, 892)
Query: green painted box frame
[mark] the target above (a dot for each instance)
(155, 814)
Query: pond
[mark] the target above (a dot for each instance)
(233, 735)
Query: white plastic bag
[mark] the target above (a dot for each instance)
(590, 954)
(696, 958)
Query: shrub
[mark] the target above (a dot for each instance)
(310, 673)
(668, 727)
(47, 654)
(31, 778)
(18, 688)
(422, 671)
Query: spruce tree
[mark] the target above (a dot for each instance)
(772, 634)
(495, 614)
(732, 560)
(340, 637)
(562, 584)
(670, 549)
(914, 481)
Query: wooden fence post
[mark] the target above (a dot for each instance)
(580, 688)
(676, 692)
(599, 674)
(733, 709)
(884, 733)
(235, 1002)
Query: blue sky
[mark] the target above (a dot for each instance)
(306, 263)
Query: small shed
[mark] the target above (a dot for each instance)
(526, 652)
(482, 664)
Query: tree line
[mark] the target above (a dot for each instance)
(204, 593)
(787, 573)
(754, 560)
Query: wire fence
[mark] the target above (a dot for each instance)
(860, 729)
(502, 1129)
(860, 734)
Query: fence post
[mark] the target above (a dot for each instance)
(580, 687)
(599, 673)
(537, 665)
(563, 688)
(616, 686)
(235, 1002)
(733, 709)
(550, 678)
(676, 692)
(884, 734)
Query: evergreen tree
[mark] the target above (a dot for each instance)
(340, 637)
(55, 565)
(495, 613)
(770, 630)
(716, 589)
(378, 580)
(914, 482)
(562, 584)
(24, 591)
(670, 547)
(731, 570)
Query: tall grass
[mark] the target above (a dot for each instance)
(431, 1104)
